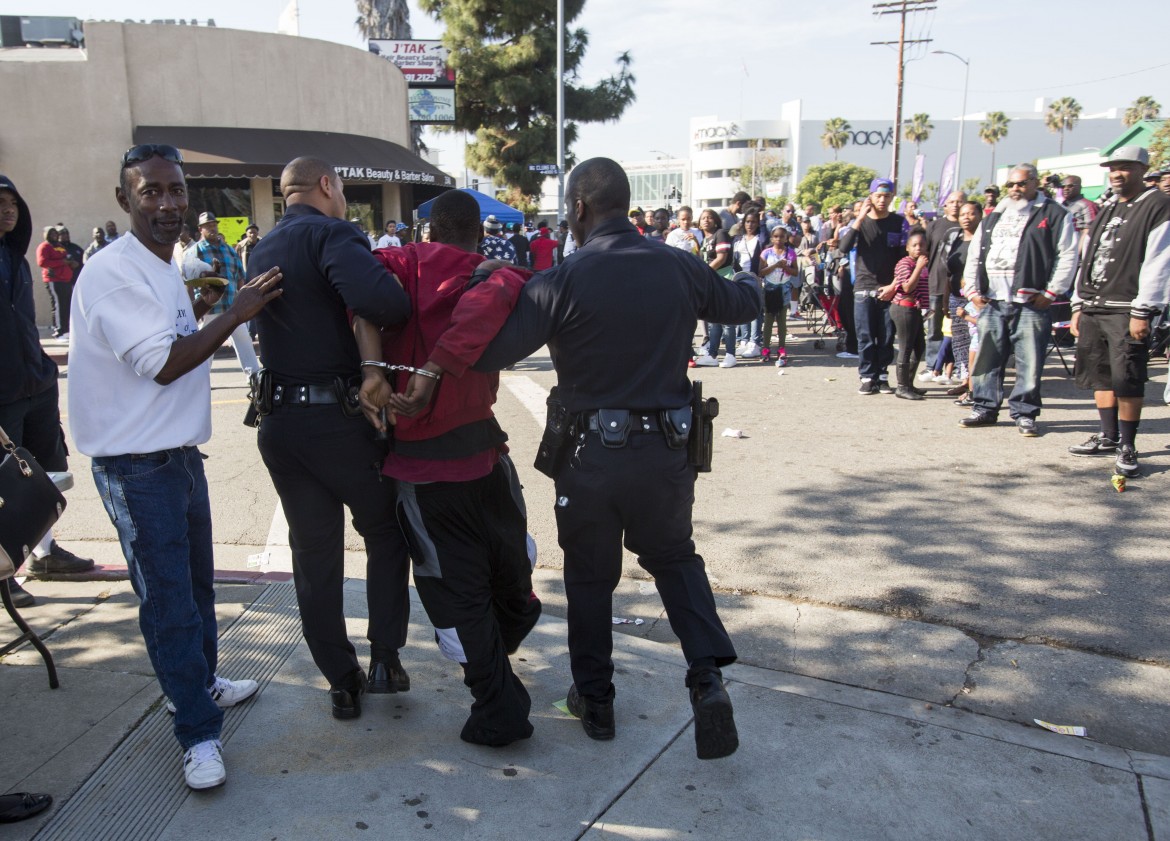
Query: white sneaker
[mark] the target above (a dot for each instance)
(227, 693)
(751, 351)
(706, 361)
(847, 355)
(203, 765)
(942, 379)
(926, 376)
(728, 361)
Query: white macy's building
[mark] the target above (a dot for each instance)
(719, 149)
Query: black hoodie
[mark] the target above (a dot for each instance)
(25, 369)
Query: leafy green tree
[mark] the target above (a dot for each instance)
(1143, 108)
(1063, 115)
(504, 56)
(992, 130)
(970, 186)
(836, 134)
(917, 130)
(1160, 147)
(389, 19)
(837, 183)
(767, 167)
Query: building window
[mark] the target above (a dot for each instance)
(740, 144)
(652, 188)
(707, 147)
(227, 198)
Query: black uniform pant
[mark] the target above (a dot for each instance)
(322, 462)
(641, 494)
(472, 570)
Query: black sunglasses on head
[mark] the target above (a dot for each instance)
(146, 151)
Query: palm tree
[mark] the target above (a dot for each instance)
(836, 134)
(1062, 116)
(917, 130)
(383, 19)
(1143, 108)
(388, 19)
(992, 130)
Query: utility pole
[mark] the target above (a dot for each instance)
(902, 8)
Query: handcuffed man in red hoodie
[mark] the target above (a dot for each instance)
(459, 499)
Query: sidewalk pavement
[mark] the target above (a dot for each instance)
(818, 759)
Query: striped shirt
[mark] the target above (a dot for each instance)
(921, 293)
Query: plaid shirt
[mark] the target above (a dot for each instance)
(230, 267)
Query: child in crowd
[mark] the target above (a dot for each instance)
(910, 292)
(777, 266)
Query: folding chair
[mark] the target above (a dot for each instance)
(1061, 323)
(63, 481)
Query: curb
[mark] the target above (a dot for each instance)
(122, 573)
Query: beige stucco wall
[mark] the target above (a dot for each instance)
(66, 122)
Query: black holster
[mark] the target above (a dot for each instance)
(700, 445)
(676, 426)
(554, 444)
(260, 387)
(347, 396)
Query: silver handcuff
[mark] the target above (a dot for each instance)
(386, 366)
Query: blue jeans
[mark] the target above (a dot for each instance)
(158, 502)
(724, 331)
(1006, 328)
(875, 336)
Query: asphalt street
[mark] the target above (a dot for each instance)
(863, 539)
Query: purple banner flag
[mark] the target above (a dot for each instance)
(946, 181)
(919, 172)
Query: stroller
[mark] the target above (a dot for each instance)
(819, 304)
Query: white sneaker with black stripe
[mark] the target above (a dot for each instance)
(226, 693)
(203, 765)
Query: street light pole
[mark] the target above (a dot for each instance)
(560, 108)
(962, 115)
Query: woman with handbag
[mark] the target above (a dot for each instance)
(715, 251)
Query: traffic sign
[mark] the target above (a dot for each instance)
(546, 169)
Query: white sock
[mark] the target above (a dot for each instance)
(42, 548)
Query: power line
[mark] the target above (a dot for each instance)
(1049, 87)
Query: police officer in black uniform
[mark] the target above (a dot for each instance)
(624, 479)
(321, 453)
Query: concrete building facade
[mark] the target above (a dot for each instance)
(238, 104)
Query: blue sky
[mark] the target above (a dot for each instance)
(745, 60)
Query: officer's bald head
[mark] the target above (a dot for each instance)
(313, 181)
(601, 184)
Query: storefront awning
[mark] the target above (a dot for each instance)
(212, 152)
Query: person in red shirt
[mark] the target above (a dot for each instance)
(543, 247)
(459, 498)
(58, 274)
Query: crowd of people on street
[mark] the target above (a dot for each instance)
(355, 337)
(948, 300)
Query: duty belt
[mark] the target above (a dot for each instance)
(638, 422)
(303, 395)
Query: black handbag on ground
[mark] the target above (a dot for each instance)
(29, 505)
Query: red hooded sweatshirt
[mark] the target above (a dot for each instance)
(435, 276)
